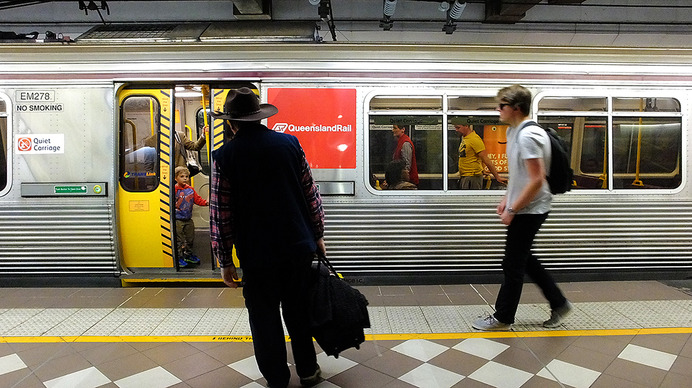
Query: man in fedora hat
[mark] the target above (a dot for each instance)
(265, 201)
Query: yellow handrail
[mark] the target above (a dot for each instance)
(151, 116)
(205, 92)
(637, 181)
(134, 132)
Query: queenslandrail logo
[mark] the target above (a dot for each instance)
(284, 127)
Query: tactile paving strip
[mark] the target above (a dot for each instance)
(384, 320)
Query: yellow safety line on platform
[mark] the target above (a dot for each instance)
(169, 280)
(368, 337)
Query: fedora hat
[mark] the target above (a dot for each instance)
(243, 105)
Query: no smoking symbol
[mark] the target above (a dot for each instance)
(24, 144)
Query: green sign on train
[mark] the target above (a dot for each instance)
(70, 189)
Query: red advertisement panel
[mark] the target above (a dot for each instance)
(323, 120)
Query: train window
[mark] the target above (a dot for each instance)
(494, 140)
(646, 152)
(581, 104)
(646, 147)
(586, 140)
(3, 145)
(425, 133)
(406, 103)
(139, 143)
(471, 103)
(646, 104)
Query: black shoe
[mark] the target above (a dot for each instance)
(558, 315)
(312, 379)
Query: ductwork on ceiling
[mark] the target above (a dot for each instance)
(239, 31)
(252, 9)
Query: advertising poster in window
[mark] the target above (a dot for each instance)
(495, 140)
(323, 120)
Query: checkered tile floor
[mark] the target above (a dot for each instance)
(628, 343)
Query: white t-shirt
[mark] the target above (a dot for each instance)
(531, 142)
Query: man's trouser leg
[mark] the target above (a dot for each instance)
(520, 235)
(295, 307)
(262, 301)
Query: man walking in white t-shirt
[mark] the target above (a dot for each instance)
(523, 209)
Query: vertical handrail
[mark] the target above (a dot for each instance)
(151, 116)
(637, 181)
(209, 135)
(134, 132)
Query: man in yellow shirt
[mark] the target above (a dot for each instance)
(471, 154)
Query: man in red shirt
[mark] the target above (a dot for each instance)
(405, 151)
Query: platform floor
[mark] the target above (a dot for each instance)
(621, 334)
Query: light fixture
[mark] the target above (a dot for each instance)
(325, 12)
(388, 11)
(457, 9)
(453, 15)
(324, 9)
(92, 6)
(188, 91)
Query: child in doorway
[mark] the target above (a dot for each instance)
(185, 198)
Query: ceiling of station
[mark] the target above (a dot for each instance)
(657, 23)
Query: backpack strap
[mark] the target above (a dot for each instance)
(528, 124)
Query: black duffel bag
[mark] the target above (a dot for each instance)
(338, 312)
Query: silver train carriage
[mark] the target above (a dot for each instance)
(88, 132)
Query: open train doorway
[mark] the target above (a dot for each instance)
(161, 128)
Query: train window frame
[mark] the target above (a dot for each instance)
(6, 143)
(445, 95)
(610, 114)
(121, 158)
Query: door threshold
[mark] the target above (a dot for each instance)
(169, 278)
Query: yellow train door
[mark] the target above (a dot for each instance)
(217, 130)
(150, 122)
(145, 181)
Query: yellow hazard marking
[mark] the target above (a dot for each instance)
(368, 337)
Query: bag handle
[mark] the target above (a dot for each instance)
(179, 142)
(322, 259)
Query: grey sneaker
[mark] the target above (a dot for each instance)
(489, 323)
(558, 315)
(313, 379)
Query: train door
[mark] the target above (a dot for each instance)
(219, 128)
(144, 182)
(159, 129)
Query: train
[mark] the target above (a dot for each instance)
(84, 199)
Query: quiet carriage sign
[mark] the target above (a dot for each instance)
(38, 101)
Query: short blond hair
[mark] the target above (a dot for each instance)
(516, 96)
(181, 169)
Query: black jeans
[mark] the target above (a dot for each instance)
(520, 260)
(264, 292)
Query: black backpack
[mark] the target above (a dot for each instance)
(560, 177)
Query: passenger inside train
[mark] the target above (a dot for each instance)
(185, 199)
(472, 157)
(397, 177)
(405, 151)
